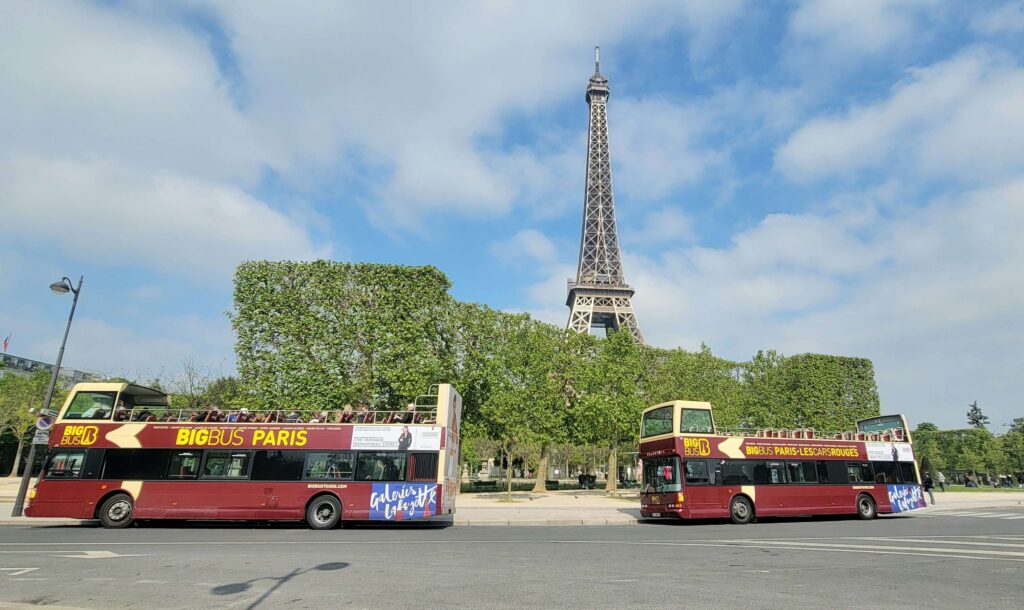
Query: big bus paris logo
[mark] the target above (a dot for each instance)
(79, 435)
(696, 446)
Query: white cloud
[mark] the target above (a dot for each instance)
(955, 119)
(103, 213)
(78, 80)
(1007, 19)
(527, 244)
(667, 224)
(842, 30)
(655, 147)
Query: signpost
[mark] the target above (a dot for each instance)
(44, 422)
(42, 437)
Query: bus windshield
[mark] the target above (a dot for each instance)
(661, 474)
(658, 421)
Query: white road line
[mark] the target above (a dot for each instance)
(903, 548)
(949, 553)
(1014, 517)
(938, 541)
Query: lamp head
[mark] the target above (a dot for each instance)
(61, 287)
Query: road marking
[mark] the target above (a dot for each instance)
(96, 555)
(18, 571)
(935, 541)
(893, 548)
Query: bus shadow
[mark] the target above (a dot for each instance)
(768, 520)
(241, 587)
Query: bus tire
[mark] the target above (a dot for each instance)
(741, 510)
(116, 511)
(866, 508)
(323, 512)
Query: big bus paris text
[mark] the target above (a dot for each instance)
(691, 470)
(119, 452)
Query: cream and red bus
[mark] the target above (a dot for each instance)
(692, 470)
(119, 452)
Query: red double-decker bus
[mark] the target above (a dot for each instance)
(691, 470)
(119, 452)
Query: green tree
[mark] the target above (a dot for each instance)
(926, 427)
(612, 398)
(1017, 425)
(323, 333)
(975, 417)
(18, 394)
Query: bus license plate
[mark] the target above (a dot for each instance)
(655, 514)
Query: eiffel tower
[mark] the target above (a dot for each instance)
(600, 296)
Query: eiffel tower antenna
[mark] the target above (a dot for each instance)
(600, 297)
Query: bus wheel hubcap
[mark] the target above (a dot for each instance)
(119, 510)
(324, 512)
(740, 510)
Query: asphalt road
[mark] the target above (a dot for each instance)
(931, 560)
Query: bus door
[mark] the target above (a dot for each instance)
(774, 497)
(700, 498)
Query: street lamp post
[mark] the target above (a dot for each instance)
(62, 287)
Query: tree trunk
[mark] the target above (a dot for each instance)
(508, 475)
(542, 470)
(612, 478)
(17, 457)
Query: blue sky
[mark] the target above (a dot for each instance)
(836, 177)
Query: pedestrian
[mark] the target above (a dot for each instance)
(929, 486)
(942, 481)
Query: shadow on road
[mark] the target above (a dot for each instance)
(241, 587)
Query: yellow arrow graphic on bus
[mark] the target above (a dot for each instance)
(731, 447)
(125, 436)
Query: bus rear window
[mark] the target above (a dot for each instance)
(658, 421)
(91, 405)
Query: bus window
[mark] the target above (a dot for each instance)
(738, 472)
(696, 420)
(422, 466)
(696, 472)
(907, 472)
(277, 465)
(184, 465)
(134, 464)
(380, 466)
(859, 473)
(661, 475)
(658, 421)
(65, 465)
(802, 472)
(776, 473)
(91, 405)
(335, 465)
(226, 465)
(887, 472)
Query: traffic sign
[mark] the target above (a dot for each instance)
(44, 422)
(42, 437)
(49, 412)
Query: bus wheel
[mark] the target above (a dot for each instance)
(866, 507)
(117, 511)
(323, 512)
(741, 511)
